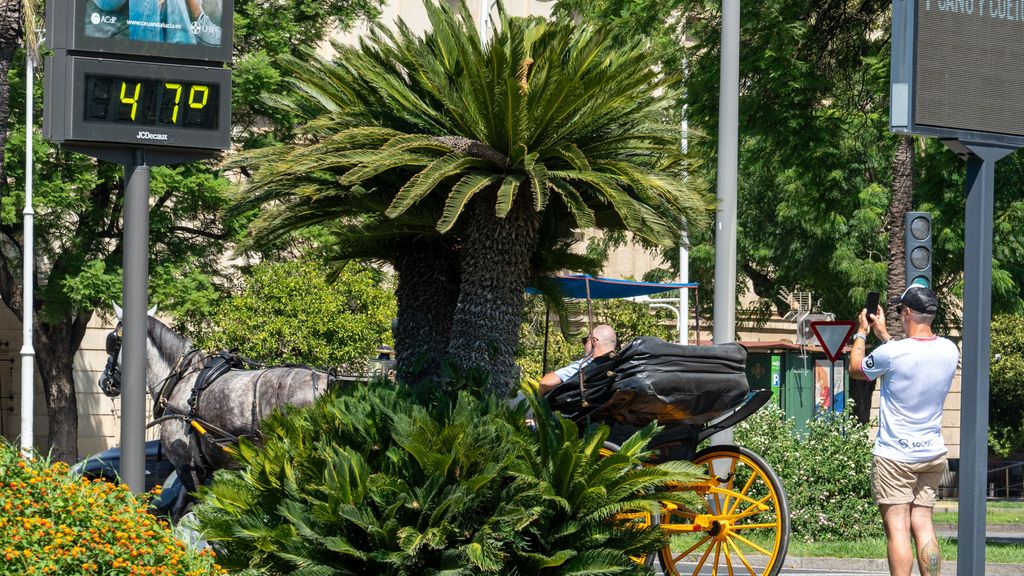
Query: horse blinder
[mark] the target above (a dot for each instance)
(110, 380)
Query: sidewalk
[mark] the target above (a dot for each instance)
(1001, 533)
(872, 567)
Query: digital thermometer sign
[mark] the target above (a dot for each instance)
(143, 104)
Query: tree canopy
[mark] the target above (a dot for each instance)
(479, 153)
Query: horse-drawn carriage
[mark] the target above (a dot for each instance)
(742, 523)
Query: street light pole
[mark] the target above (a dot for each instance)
(28, 352)
(728, 167)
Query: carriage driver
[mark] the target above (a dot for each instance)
(599, 342)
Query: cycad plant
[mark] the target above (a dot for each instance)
(445, 156)
(370, 481)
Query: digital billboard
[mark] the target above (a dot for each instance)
(178, 29)
(958, 68)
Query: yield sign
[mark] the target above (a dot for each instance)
(833, 336)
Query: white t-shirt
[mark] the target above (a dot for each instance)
(916, 375)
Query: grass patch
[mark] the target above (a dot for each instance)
(875, 548)
(995, 513)
(1003, 553)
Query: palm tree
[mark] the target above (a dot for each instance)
(435, 144)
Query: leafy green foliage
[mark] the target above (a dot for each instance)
(629, 319)
(370, 481)
(484, 151)
(290, 313)
(825, 471)
(1006, 386)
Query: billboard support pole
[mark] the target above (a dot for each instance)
(135, 285)
(974, 398)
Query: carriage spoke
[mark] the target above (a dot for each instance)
(742, 558)
(748, 542)
(692, 548)
(703, 559)
(743, 492)
(736, 528)
(718, 554)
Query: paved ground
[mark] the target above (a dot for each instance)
(855, 567)
(879, 567)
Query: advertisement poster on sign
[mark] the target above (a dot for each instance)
(187, 22)
(822, 391)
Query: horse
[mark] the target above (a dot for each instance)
(205, 402)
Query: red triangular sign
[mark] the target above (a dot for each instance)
(833, 336)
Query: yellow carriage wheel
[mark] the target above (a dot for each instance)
(741, 527)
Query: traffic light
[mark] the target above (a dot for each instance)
(917, 244)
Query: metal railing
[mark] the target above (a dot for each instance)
(1006, 481)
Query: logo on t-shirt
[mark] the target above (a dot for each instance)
(870, 361)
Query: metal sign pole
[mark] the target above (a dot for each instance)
(133, 349)
(831, 386)
(981, 173)
(28, 352)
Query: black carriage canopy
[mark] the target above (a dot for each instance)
(650, 379)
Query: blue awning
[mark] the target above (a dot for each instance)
(575, 286)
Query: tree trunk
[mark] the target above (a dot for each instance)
(495, 260)
(902, 201)
(428, 288)
(10, 38)
(55, 345)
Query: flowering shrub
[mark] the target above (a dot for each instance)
(53, 522)
(825, 472)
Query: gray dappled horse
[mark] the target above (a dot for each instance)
(204, 402)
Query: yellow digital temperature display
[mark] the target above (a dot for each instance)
(151, 102)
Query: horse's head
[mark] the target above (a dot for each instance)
(110, 380)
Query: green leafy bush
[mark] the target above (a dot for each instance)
(289, 312)
(825, 472)
(371, 481)
(1006, 427)
(54, 522)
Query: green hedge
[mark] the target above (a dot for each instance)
(825, 472)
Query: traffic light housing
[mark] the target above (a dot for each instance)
(917, 244)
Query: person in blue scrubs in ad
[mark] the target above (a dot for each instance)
(167, 21)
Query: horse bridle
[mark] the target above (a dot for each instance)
(110, 380)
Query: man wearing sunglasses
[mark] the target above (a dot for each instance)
(599, 342)
(909, 453)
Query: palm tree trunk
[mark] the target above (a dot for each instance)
(428, 288)
(495, 259)
(902, 202)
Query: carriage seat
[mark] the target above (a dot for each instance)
(651, 379)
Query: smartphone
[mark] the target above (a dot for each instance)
(871, 306)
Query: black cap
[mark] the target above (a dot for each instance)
(918, 298)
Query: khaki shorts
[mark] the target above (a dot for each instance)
(895, 482)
